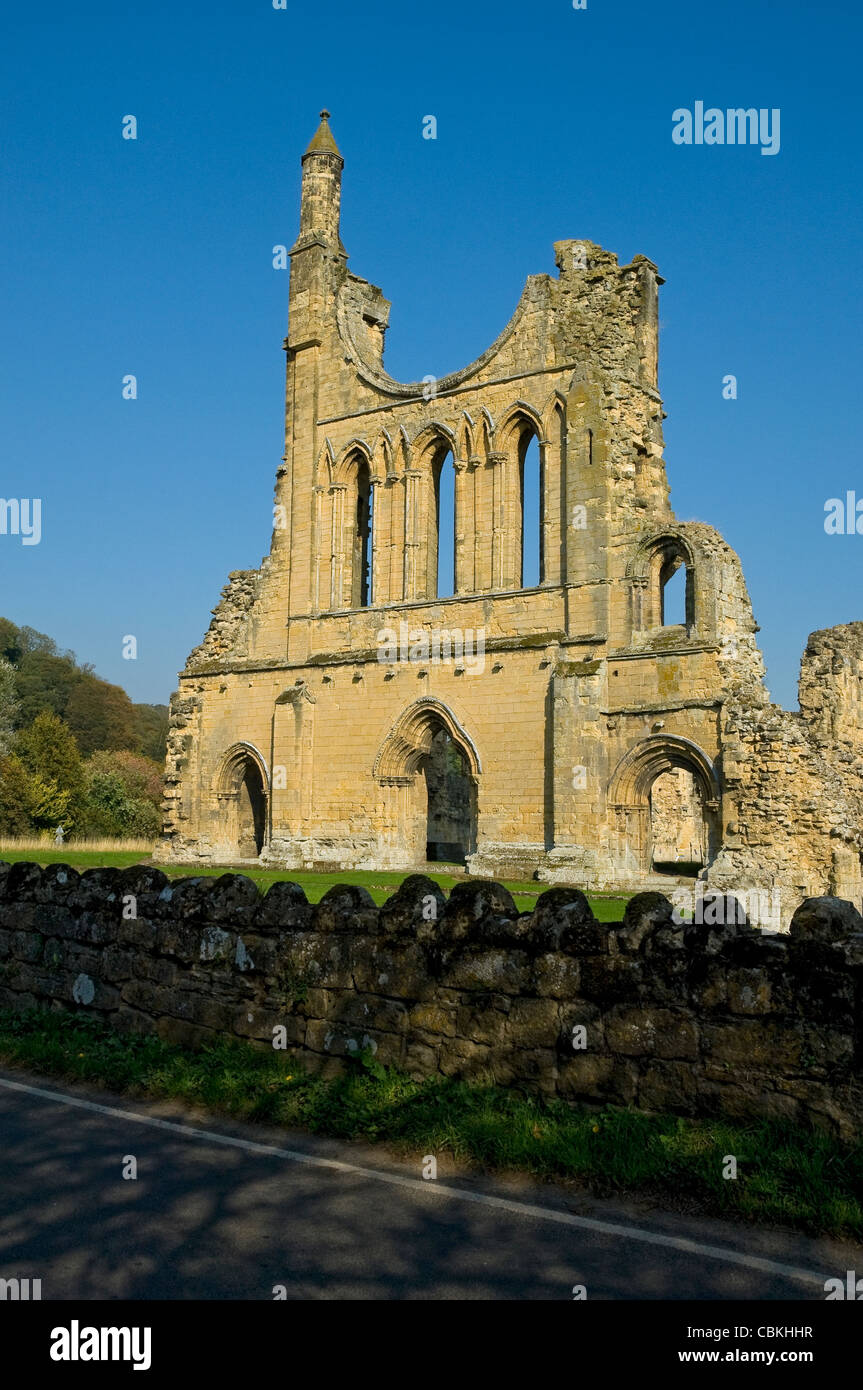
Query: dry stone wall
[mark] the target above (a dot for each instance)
(704, 1018)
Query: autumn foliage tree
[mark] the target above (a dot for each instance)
(74, 750)
(100, 714)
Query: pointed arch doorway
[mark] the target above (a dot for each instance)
(431, 763)
(243, 796)
(665, 807)
(450, 801)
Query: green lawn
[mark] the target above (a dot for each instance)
(786, 1174)
(379, 884)
(78, 858)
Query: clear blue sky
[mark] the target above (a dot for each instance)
(153, 257)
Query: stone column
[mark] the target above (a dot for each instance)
(477, 578)
(319, 513)
(549, 526)
(463, 581)
(396, 489)
(375, 575)
(412, 534)
(337, 567)
(499, 521)
(513, 524)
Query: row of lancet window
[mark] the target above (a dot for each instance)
(485, 524)
(502, 523)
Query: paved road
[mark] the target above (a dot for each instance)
(221, 1210)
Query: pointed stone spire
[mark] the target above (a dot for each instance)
(322, 141)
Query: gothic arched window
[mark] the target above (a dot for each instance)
(530, 480)
(361, 568)
(444, 522)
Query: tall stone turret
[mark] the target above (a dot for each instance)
(317, 256)
(318, 261)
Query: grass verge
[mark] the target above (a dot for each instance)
(786, 1175)
(95, 847)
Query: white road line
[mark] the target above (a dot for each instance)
(584, 1223)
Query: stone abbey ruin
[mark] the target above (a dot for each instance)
(342, 712)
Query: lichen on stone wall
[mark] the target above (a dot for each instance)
(696, 1017)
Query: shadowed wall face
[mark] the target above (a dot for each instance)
(695, 1017)
(251, 813)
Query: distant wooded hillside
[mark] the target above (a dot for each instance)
(75, 752)
(100, 715)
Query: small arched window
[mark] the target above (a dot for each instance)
(675, 590)
(666, 588)
(673, 597)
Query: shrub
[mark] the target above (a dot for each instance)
(112, 810)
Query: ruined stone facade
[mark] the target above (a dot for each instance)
(305, 726)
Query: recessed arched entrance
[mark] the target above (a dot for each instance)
(242, 797)
(450, 799)
(664, 807)
(432, 766)
(677, 823)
